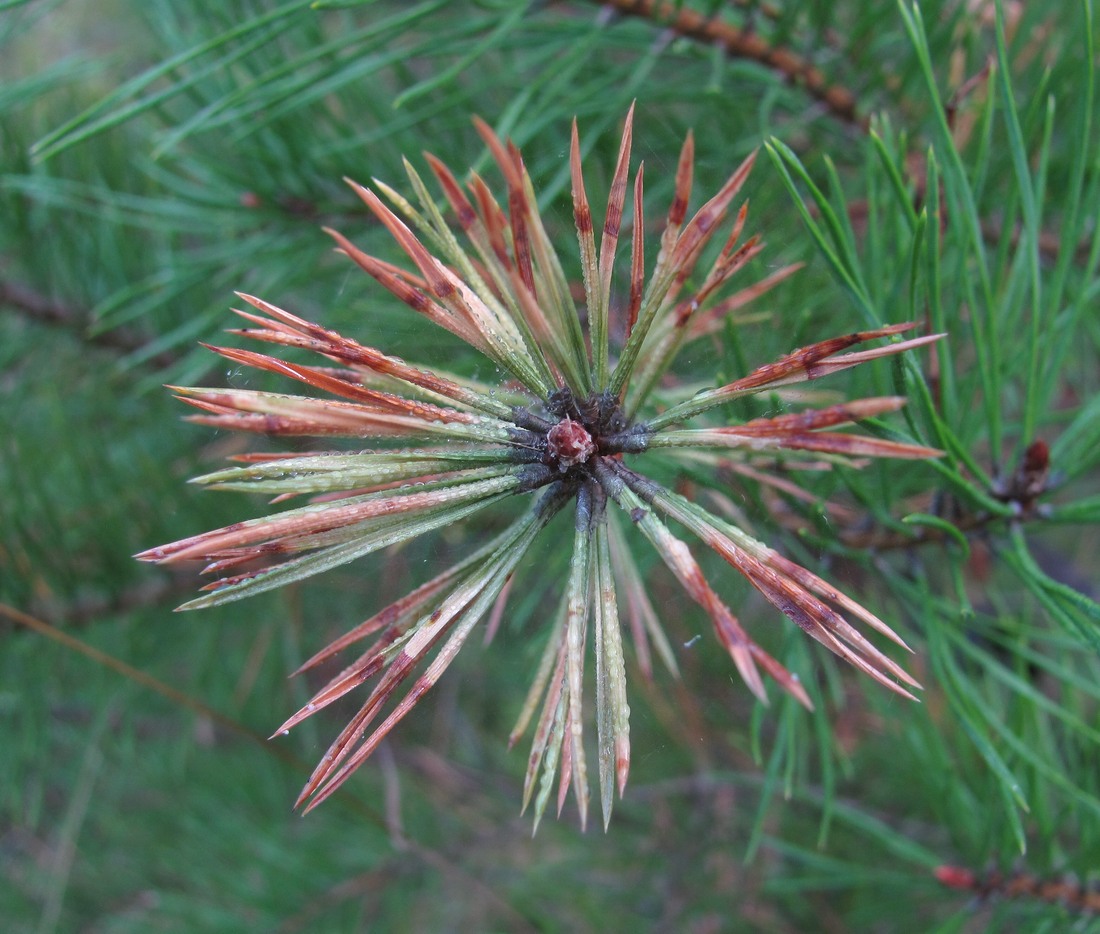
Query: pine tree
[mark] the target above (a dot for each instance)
(933, 163)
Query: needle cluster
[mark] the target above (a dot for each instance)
(571, 427)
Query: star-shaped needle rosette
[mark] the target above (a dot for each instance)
(583, 405)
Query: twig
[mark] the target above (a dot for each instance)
(180, 698)
(1071, 894)
(174, 695)
(88, 608)
(49, 311)
(738, 43)
(841, 102)
(890, 540)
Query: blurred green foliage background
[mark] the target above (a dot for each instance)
(935, 163)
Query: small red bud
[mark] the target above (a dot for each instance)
(570, 443)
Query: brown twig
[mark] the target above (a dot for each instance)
(46, 310)
(1071, 894)
(174, 695)
(738, 43)
(842, 103)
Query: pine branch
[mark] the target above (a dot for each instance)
(798, 71)
(739, 43)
